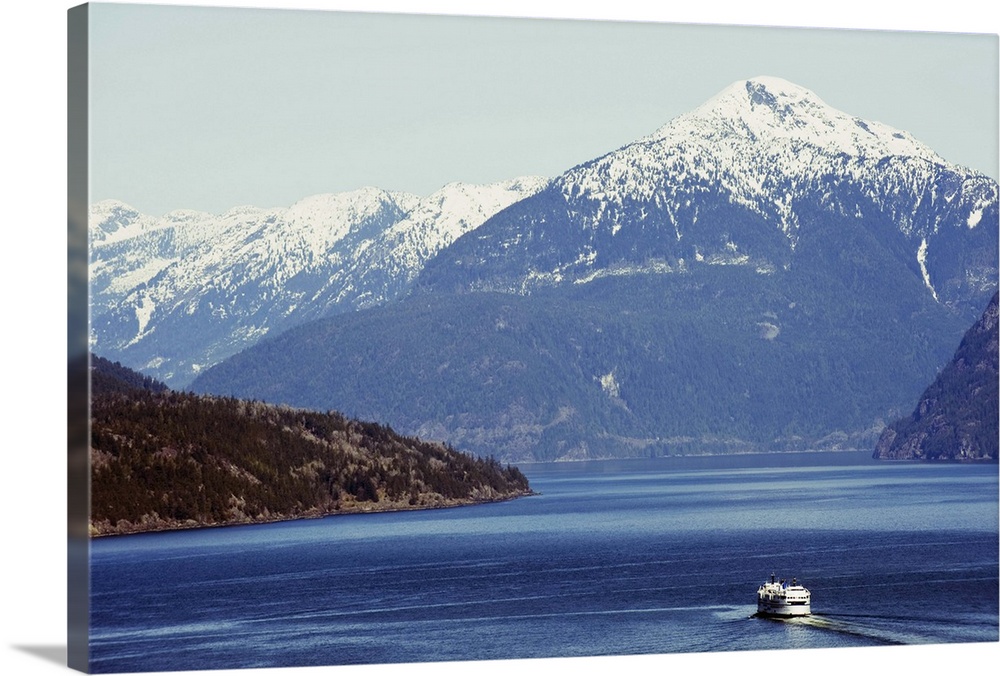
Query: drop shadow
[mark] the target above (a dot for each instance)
(50, 653)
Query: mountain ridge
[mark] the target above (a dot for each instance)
(695, 290)
(658, 192)
(173, 295)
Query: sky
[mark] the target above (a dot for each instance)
(33, 277)
(209, 108)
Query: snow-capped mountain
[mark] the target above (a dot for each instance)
(740, 180)
(175, 294)
(764, 272)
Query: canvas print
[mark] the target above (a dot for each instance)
(412, 338)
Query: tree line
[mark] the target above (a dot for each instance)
(163, 459)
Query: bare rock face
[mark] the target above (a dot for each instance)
(956, 418)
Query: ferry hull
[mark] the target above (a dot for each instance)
(774, 610)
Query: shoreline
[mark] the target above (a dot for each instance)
(350, 510)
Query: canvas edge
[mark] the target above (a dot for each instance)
(78, 376)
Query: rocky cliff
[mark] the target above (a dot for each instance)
(956, 418)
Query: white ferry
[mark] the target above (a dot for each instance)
(781, 599)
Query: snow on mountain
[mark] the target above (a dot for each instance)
(127, 249)
(386, 268)
(318, 223)
(172, 295)
(771, 112)
(113, 221)
(725, 141)
(730, 183)
(765, 140)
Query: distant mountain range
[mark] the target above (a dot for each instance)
(174, 295)
(956, 417)
(764, 272)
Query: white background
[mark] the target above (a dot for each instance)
(33, 311)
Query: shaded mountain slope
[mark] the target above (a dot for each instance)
(956, 418)
(621, 367)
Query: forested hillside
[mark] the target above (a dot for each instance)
(107, 376)
(637, 367)
(956, 418)
(164, 460)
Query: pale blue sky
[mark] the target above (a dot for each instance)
(210, 108)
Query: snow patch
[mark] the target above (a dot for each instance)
(922, 260)
(610, 385)
(722, 259)
(650, 268)
(768, 331)
(144, 309)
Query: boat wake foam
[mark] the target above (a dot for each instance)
(840, 626)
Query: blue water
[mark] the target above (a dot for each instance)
(612, 558)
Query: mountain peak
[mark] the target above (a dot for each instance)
(753, 177)
(773, 111)
(110, 214)
(113, 220)
(771, 92)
